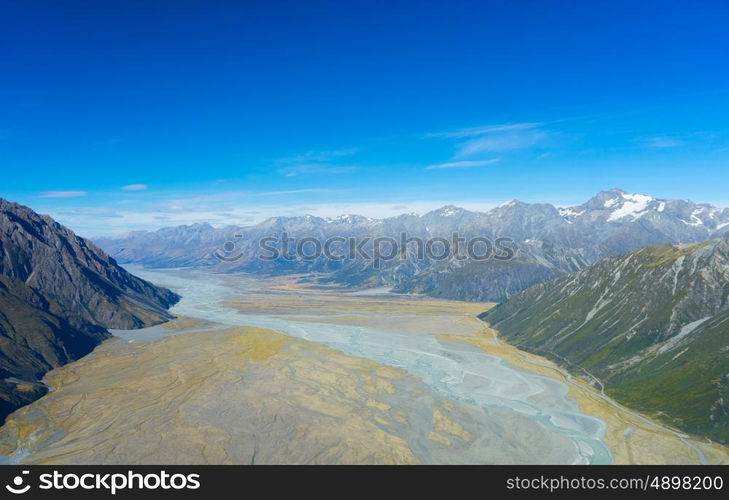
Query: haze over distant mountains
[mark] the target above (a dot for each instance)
(58, 294)
(550, 241)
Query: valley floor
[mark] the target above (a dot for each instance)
(262, 371)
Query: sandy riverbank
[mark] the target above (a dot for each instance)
(386, 379)
(251, 396)
(632, 437)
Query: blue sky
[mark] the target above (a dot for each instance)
(124, 115)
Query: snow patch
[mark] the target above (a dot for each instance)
(449, 211)
(633, 206)
(349, 219)
(570, 212)
(695, 221)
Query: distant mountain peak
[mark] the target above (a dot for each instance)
(613, 191)
(447, 211)
(628, 205)
(349, 219)
(511, 203)
(608, 198)
(620, 207)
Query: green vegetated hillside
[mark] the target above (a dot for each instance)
(652, 326)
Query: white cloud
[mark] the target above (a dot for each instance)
(500, 142)
(182, 202)
(294, 191)
(463, 164)
(135, 187)
(477, 141)
(662, 142)
(316, 163)
(318, 156)
(62, 194)
(488, 129)
(317, 169)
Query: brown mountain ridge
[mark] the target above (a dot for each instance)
(58, 295)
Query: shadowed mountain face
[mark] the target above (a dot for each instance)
(652, 326)
(58, 294)
(549, 242)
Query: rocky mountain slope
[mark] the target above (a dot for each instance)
(549, 241)
(651, 326)
(58, 294)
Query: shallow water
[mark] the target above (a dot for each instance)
(458, 371)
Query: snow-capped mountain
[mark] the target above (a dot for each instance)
(616, 205)
(350, 219)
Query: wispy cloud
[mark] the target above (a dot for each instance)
(62, 194)
(317, 163)
(488, 129)
(135, 187)
(229, 199)
(477, 141)
(498, 142)
(318, 156)
(463, 164)
(294, 191)
(663, 142)
(316, 169)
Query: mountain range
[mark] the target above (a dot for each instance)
(651, 328)
(627, 291)
(548, 242)
(58, 295)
